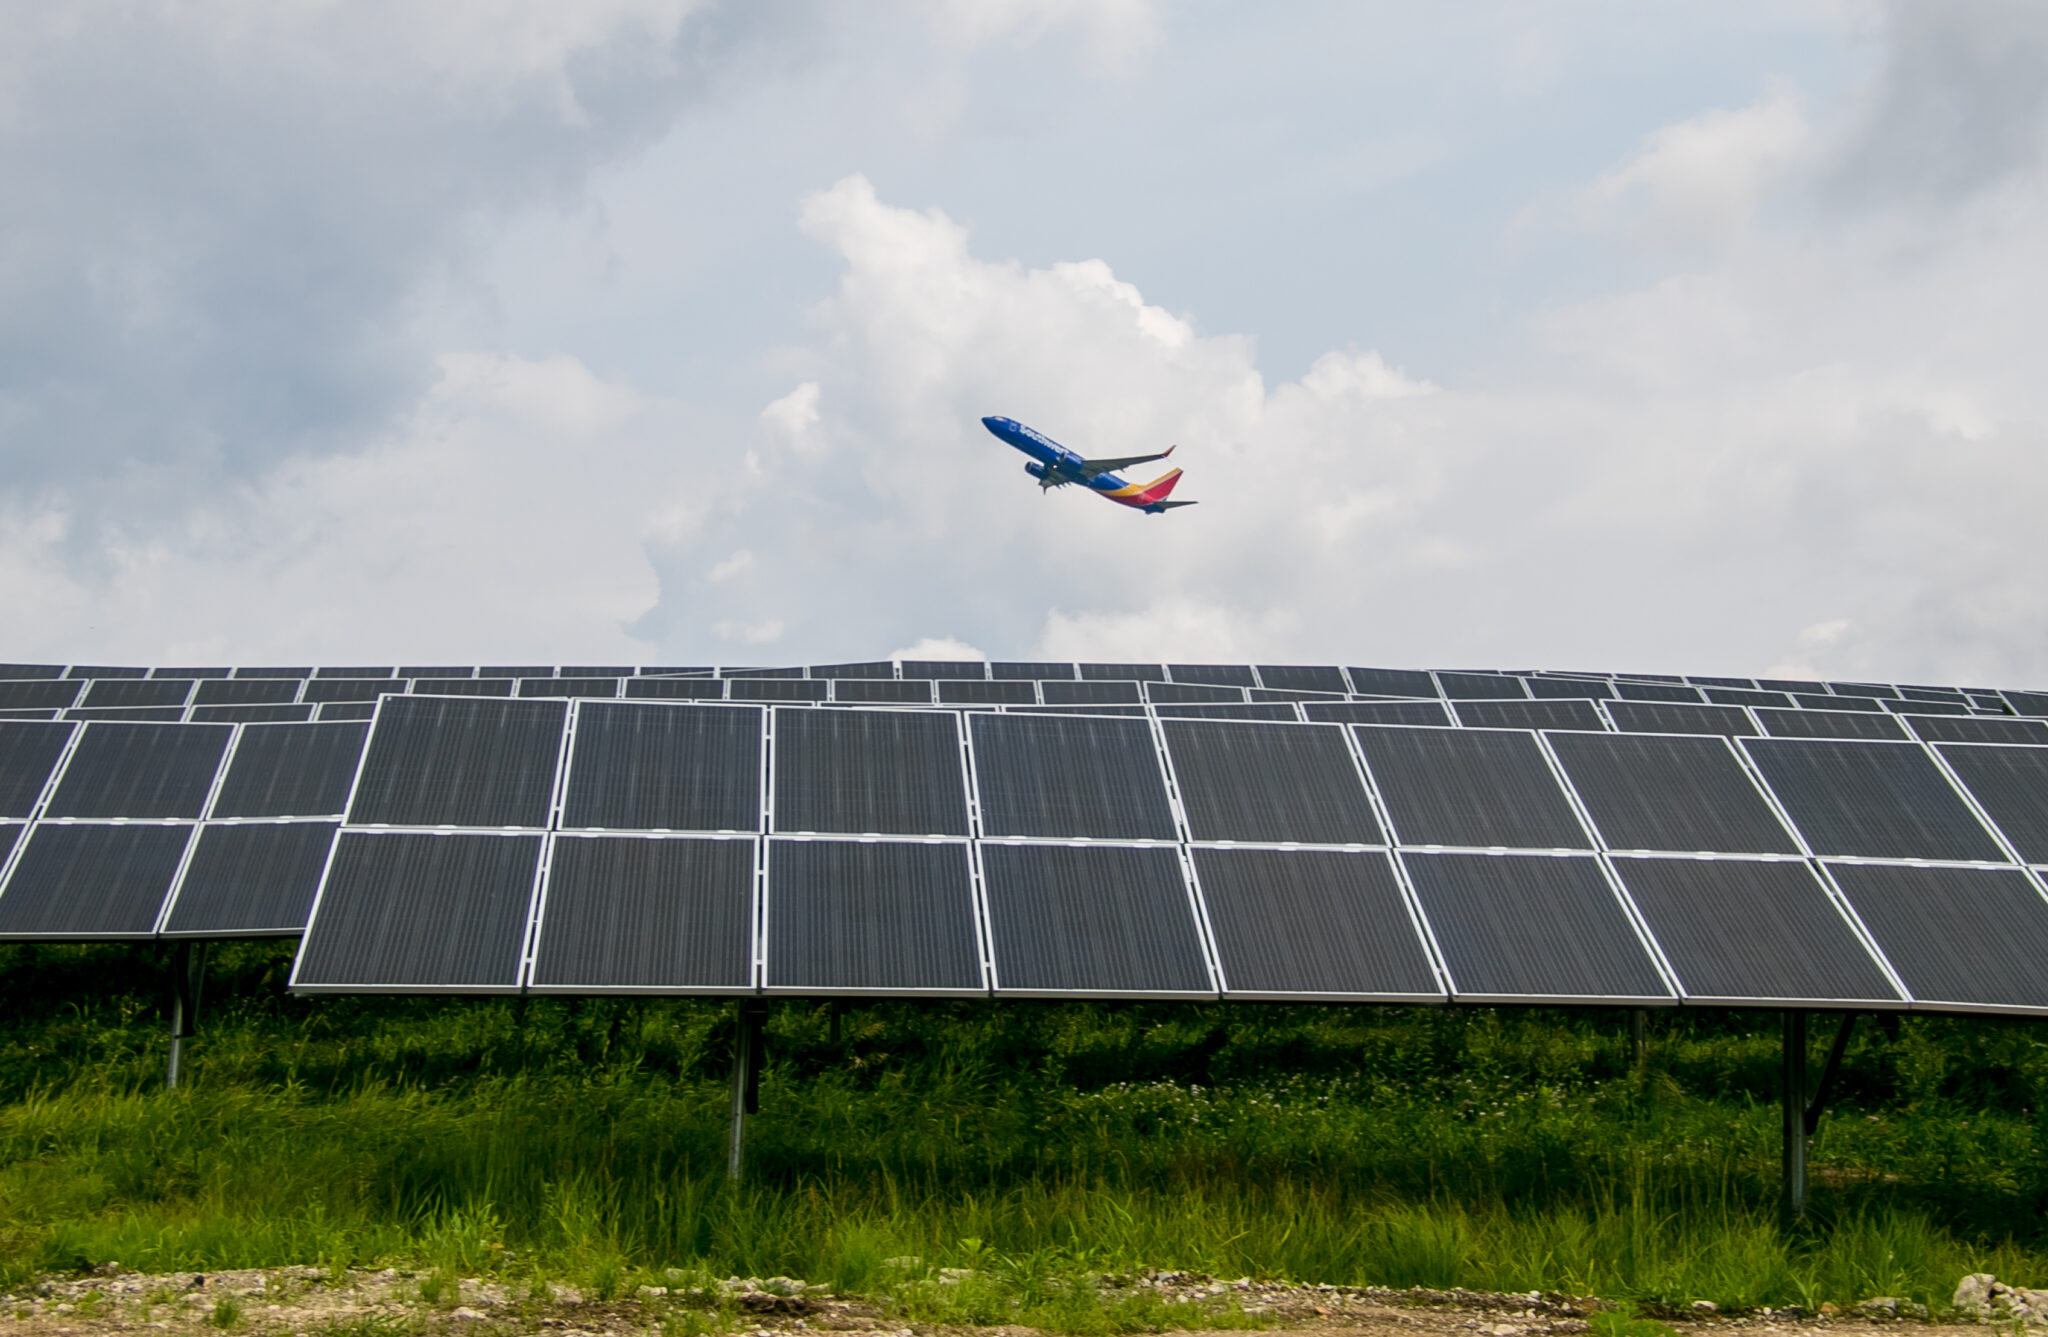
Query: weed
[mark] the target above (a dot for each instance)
(1623, 1320)
(226, 1312)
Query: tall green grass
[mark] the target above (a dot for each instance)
(1490, 1149)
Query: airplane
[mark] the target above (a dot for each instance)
(1053, 465)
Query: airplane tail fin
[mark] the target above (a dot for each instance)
(1158, 488)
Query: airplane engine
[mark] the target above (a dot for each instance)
(1035, 469)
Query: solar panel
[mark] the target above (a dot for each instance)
(1270, 783)
(968, 669)
(346, 711)
(1030, 670)
(10, 832)
(1177, 692)
(1560, 689)
(1735, 696)
(877, 916)
(1524, 928)
(1670, 792)
(1878, 800)
(28, 714)
(1469, 788)
(421, 912)
(1068, 776)
(1721, 682)
(449, 671)
(273, 673)
(138, 692)
(592, 671)
(1656, 691)
(1827, 724)
(29, 751)
(1218, 675)
(250, 879)
(1392, 682)
(459, 761)
(1753, 931)
(1379, 712)
(776, 689)
(516, 671)
(1089, 693)
(1289, 694)
(1269, 712)
(140, 771)
(465, 686)
(879, 668)
(916, 692)
(132, 714)
(1926, 707)
(2028, 703)
(1481, 686)
(761, 673)
(632, 913)
(2011, 784)
(1096, 920)
(595, 687)
(676, 689)
(1977, 729)
(180, 672)
(1528, 715)
(27, 671)
(1658, 717)
(859, 771)
(1123, 672)
(380, 671)
(291, 770)
(247, 692)
(91, 881)
(104, 671)
(988, 693)
(664, 768)
(1794, 685)
(1961, 938)
(1871, 689)
(1313, 924)
(1302, 677)
(251, 714)
(31, 695)
(352, 691)
(1128, 712)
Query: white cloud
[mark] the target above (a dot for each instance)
(748, 633)
(1700, 181)
(937, 647)
(731, 566)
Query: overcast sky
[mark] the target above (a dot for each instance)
(1689, 337)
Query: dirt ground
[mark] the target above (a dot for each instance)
(306, 1302)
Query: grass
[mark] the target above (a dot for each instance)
(1032, 1145)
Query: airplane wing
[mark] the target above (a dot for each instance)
(1090, 468)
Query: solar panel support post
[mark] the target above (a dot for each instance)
(1792, 1098)
(1639, 1035)
(746, 1081)
(1824, 1086)
(188, 974)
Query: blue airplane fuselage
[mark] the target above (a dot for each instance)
(1053, 465)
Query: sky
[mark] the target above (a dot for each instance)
(1696, 337)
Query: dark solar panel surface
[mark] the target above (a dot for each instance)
(877, 668)
(1660, 717)
(677, 689)
(1528, 715)
(28, 753)
(1270, 712)
(2029, 703)
(665, 768)
(893, 772)
(1030, 669)
(380, 671)
(595, 687)
(1123, 672)
(133, 714)
(973, 669)
(1047, 775)
(1270, 782)
(104, 671)
(873, 916)
(273, 672)
(1861, 704)
(1220, 675)
(2011, 784)
(351, 690)
(987, 693)
(776, 689)
(1878, 800)
(625, 912)
(1179, 692)
(251, 714)
(349, 711)
(1960, 937)
(1303, 677)
(254, 879)
(1393, 682)
(1744, 930)
(1927, 707)
(291, 770)
(1094, 919)
(1559, 689)
(416, 911)
(1531, 927)
(1312, 922)
(460, 761)
(1828, 724)
(1481, 686)
(1736, 696)
(28, 695)
(1481, 789)
(914, 692)
(23, 671)
(246, 692)
(138, 692)
(140, 770)
(1657, 691)
(436, 671)
(1089, 693)
(1670, 792)
(1379, 712)
(91, 881)
(464, 686)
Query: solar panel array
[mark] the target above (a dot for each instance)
(1045, 829)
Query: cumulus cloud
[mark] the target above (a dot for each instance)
(937, 647)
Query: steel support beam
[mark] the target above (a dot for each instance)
(188, 975)
(1792, 1099)
(746, 1081)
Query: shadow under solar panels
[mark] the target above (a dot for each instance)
(1270, 783)
(664, 768)
(1072, 776)
(1568, 714)
(291, 770)
(140, 771)
(91, 881)
(1379, 712)
(891, 772)
(251, 879)
(1472, 788)
(460, 761)
(871, 916)
(421, 912)
(2011, 785)
(634, 913)
(28, 753)
(1877, 800)
(1097, 920)
(1532, 928)
(1670, 717)
(1962, 938)
(1753, 931)
(1313, 924)
(1670, 792)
